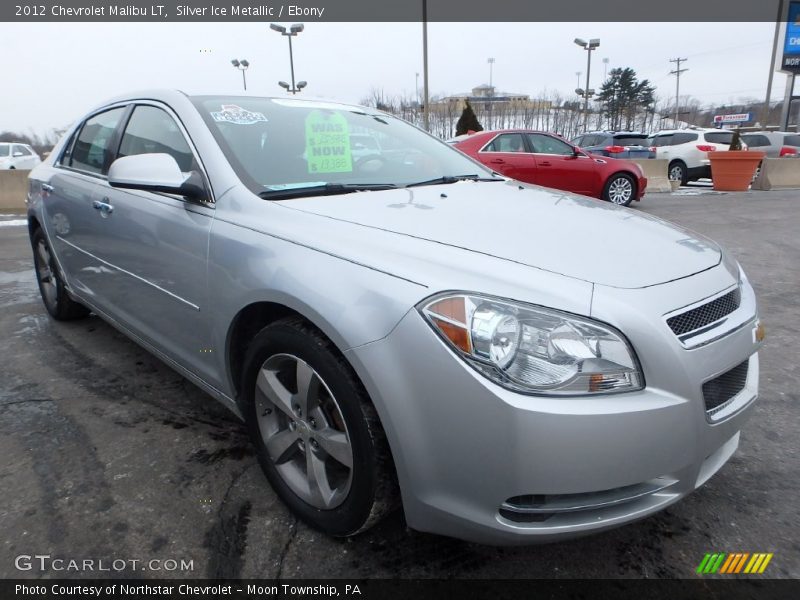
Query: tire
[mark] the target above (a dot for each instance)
(338, 426)
(678, 171)
(54, 293)
(620, 189)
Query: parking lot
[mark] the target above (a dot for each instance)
(110, 454)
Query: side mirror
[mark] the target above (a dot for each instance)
(155, 173)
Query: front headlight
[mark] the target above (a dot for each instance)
(534, 350)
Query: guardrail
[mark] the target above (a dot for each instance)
(13, 189)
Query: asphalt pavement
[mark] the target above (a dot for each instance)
(106, 453)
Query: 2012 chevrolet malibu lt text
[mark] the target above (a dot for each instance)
(397, 324)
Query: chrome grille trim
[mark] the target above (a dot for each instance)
(699, 318)
(536, 507)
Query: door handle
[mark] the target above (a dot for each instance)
(546, 163)
(104, 207)
(497, 161)
(46, 187)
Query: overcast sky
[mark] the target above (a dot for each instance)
(53, 72)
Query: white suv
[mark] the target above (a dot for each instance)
(17, 156)
(687, 150)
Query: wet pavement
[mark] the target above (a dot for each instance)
(108, 454)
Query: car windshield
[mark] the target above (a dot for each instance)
(278, 145)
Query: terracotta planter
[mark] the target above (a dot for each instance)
(732, 171)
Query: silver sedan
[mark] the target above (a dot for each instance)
(510, 363)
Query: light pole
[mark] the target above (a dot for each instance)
(292, 32)
(592, 44)
(416, 89)
(490, 61)
(242, 66)
(605, 68)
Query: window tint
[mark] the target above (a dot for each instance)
(660, 141)
(545, 144)
(5, 149)
(508, 142)
(151, 130)
(19, 148)
(719, 137)
(755, 141)
(791, 140)
(683, 138)
(91, 150)
(630, 140)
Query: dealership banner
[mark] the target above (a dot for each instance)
(390, 10)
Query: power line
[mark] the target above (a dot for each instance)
(677, 72)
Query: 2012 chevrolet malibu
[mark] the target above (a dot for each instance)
(403, 325)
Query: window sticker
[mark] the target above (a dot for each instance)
(327, 143)
(232, 113)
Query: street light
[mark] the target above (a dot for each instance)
(292, 32)
(242, 66)
(592, 44)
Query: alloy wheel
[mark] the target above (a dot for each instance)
(46, 273)
(303, 430)
(620, 191)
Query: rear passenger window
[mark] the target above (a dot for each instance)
(508, 142)
(683, 138)
(720, 137)
(662, 140)
(91, 150)
(755, 141)
(151, 130)
(791, 140)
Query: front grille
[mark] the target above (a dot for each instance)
(706, 314)
(720, 390)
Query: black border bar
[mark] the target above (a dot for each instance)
(331, 11)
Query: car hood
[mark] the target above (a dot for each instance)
(546, 229)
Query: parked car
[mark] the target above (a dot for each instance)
(616, 144)
(416, 323)
(687, 151)
(776, 144)
(548, 160)
(14, 155)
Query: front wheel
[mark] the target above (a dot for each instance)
(317, 436)
(679, 172)
(54, 293)
(620, 189)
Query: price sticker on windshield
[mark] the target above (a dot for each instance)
(328, 143)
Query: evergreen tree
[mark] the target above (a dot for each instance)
(467, 121)
(624, 96)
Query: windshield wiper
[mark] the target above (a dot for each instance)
(326, 189)
(453, 179)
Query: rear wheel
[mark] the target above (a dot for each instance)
(620, 189)
(54, 293)
(317, 436)
(679, 172)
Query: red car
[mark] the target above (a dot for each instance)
(547, 160)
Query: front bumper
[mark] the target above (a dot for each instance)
(481, 463)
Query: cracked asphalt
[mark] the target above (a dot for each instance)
(108, 454)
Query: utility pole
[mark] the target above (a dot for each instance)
(765, 114)
(677, 72)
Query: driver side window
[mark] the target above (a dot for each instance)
(545, 144)
(151, 130)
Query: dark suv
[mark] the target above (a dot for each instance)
(615, 144)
